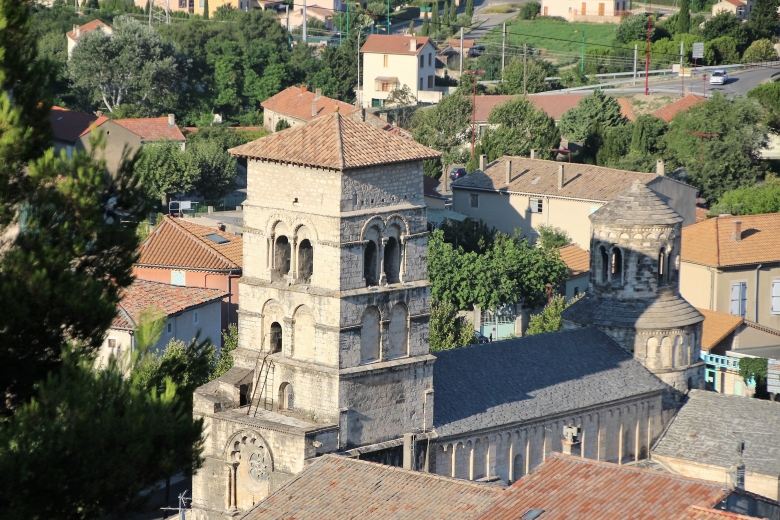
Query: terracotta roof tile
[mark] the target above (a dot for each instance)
(152, 128)
(68, 125)
(169, 299)
(554, 105)
(668, 112)
(576, 259)
(88, 27)
(736, 3)
(467, 44)
(701, 214)
(297, 102)
(716, 326)
(176, 243)
(572, 487)
(710, 242)
(706, 513)
(540, 177)
(394, 44)
(335, 142)
(626, 109)
(336, 488)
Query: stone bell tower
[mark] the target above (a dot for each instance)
(333, 327)
(634, 293)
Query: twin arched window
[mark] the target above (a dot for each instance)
(290, 257)
(397, 334)
(382, 256)
(611, 265)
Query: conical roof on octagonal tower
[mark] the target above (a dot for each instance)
(636, 206)
(335, 142)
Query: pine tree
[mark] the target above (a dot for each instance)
(435, 20)
(425, 29)
(470, 9)
(684, 17)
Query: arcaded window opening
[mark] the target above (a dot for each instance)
(285, 396)
(305, 261)
(663, 275)
(617, 265)
(370, 264)
(369, 335)
(604, 263)
(392, 260)
(276, 337)
(282, 256)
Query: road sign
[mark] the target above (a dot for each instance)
(773, 376)
(698, 50)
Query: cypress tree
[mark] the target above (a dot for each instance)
(445, 19)
(411, 27)
(205, 9)
(435, 20)
(470, 8)
(453, 12)
(684, 17)
(425, 29)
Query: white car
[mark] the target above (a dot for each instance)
(719, 77)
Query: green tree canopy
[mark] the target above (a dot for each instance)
(760, 50)
(726, 24)
(133, 66)
(447, 329)
(509, 271)
(551, 237)
(763, 20)
(596, 108)
(517, 127)
(216, 168)
(537, 71)
(768, 95)
(166, 169)
(634, 28)
(750, 200)
(728, 161)
(684, 17)
(550, 320)
(445, 126)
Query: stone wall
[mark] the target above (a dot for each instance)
(615, 432)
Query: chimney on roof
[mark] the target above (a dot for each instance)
(304, 89)
(660, 167)
(413, 45)
(482, 162)
(736, 230)
(318, 93)
(533, 153)
(571, 443)
(99, 113)
(508, 171)
(560, 177)
(171, 120)
(383, 116)
(363, 114)
(313, 109)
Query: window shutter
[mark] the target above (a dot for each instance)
(743, 299)
(735, 300)
(775, 296)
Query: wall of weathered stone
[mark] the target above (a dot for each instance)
(615, 432)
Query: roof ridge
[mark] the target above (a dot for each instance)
(127, 313)
(198, 240)
(339, 141)
(717, 243)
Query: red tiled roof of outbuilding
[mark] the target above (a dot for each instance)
(394, 44)
(166, 298)
(87, 27)
(176, 243)
(68, 125)
(152, 128)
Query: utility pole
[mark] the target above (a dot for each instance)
(701, 141)
(647, 60)
(525, 69)
(287, 15)
(461, 51)
(305, 38)
(635, 52)
(682, 71)
(582, 58)
(168, 12)
(347, 20)
(503, 46)
(151, 10)
(341, 19)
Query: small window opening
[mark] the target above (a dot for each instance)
(474, 200)
(305, 261)
(662, 275)
(604, 263)
(617, 265)
(285, 396)
(282, 256)
(276, 337)
(392, 260)
(369, 264)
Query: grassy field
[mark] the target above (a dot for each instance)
(501, 9)
(555, 36)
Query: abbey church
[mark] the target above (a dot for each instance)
(334, 325)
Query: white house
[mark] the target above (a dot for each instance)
(188, 310)
(80, 30)
(596, 11)
(395, 61)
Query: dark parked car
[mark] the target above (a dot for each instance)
(457, 173)
(480, 338)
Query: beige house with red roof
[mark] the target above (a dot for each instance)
(395, 61)
(297, 105)
(521, 193)
(182, 253)
(732, 265)
(189, 311)
(736, 7)
(80, 30)
(146, 129)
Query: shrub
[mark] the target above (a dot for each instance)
(760, 50)
(529, 10)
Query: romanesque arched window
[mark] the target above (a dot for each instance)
(392, 262)
(369, 335)
(276, 337)
(616, 267)
(305, 261)
(285, 396)
(603, 268)
(370, 264)
(282, 256)
(662, 267)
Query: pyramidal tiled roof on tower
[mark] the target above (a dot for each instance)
(335, 142)
(636, 206)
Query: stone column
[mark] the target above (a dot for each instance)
(229, 486)
(491, 457)
(511, 460)
(287, 336)
(381, 260)
(384, 326)
(471, 462)
(402, 251)
(454, 460)
(293, 275)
